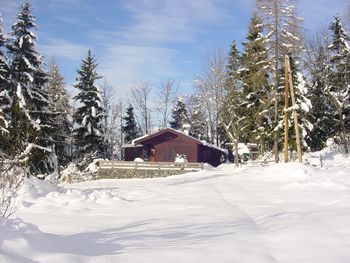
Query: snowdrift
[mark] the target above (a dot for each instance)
(279, 213)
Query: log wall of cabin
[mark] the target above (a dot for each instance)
(167, 150)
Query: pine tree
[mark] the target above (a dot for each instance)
(338, 86)
(60, 108)
(256, 89)
(30, 130)
(180, 115)
(130, 128)
(89, 115)
(5, 105)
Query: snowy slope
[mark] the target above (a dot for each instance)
(280, 213)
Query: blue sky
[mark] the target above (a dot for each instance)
(147, 40)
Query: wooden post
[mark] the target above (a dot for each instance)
(286, 105)
(296, 126)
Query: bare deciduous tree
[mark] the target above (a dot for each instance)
(12, 175)
(320, 41)
(112, 122)
(167, 97)
(114, 132)
(210, 86)
(140, 98)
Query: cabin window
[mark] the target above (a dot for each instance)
(170, 154)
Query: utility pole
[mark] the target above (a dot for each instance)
(295, 115)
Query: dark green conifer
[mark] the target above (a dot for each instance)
(89, 115)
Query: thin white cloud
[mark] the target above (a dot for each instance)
(64, 49)
(170, 21)
(124, 66)
(74, 21)
(8, 11)
(138, 51)
(319, 14)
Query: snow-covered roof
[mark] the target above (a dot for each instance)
(139, 138)
(214, 147)
(131, 145)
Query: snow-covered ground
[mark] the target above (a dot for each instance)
(280, 213)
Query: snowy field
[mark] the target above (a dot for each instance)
(281, 213)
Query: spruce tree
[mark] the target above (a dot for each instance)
(198, 123)
(232, 114)
(60, 108)
(323, 111)
(30, 129)
(89, 115)
(256, 93)
(130, 128)
(5, 105)
(338, 85)
(180, 115)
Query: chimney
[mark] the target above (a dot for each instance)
(186, 128)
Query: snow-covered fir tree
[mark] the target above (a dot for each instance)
(232, 115)
(303, 108)
(338, 85)
(130, 128)
(198, 121)
(5, 105)
(180, 115)
(31, 122)
(323, 111)
(256, 93)
(89, 114)
(60, 108)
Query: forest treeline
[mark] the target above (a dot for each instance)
(237, 97)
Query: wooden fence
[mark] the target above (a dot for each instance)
(125, 169)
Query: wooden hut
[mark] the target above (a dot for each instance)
(166, 144)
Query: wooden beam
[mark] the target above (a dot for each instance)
(286, 105)
(296, 126)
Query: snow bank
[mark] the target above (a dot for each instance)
(331, 156)
(279, 213)
(32, 189)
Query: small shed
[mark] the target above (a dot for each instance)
(165, 145)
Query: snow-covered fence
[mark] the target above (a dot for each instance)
(257, 163)
(124, 169)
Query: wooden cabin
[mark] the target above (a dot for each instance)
(166, 144)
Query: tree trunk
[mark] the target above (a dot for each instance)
(343, 131)
(276, 150)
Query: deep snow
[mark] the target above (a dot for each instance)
(280, 213)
